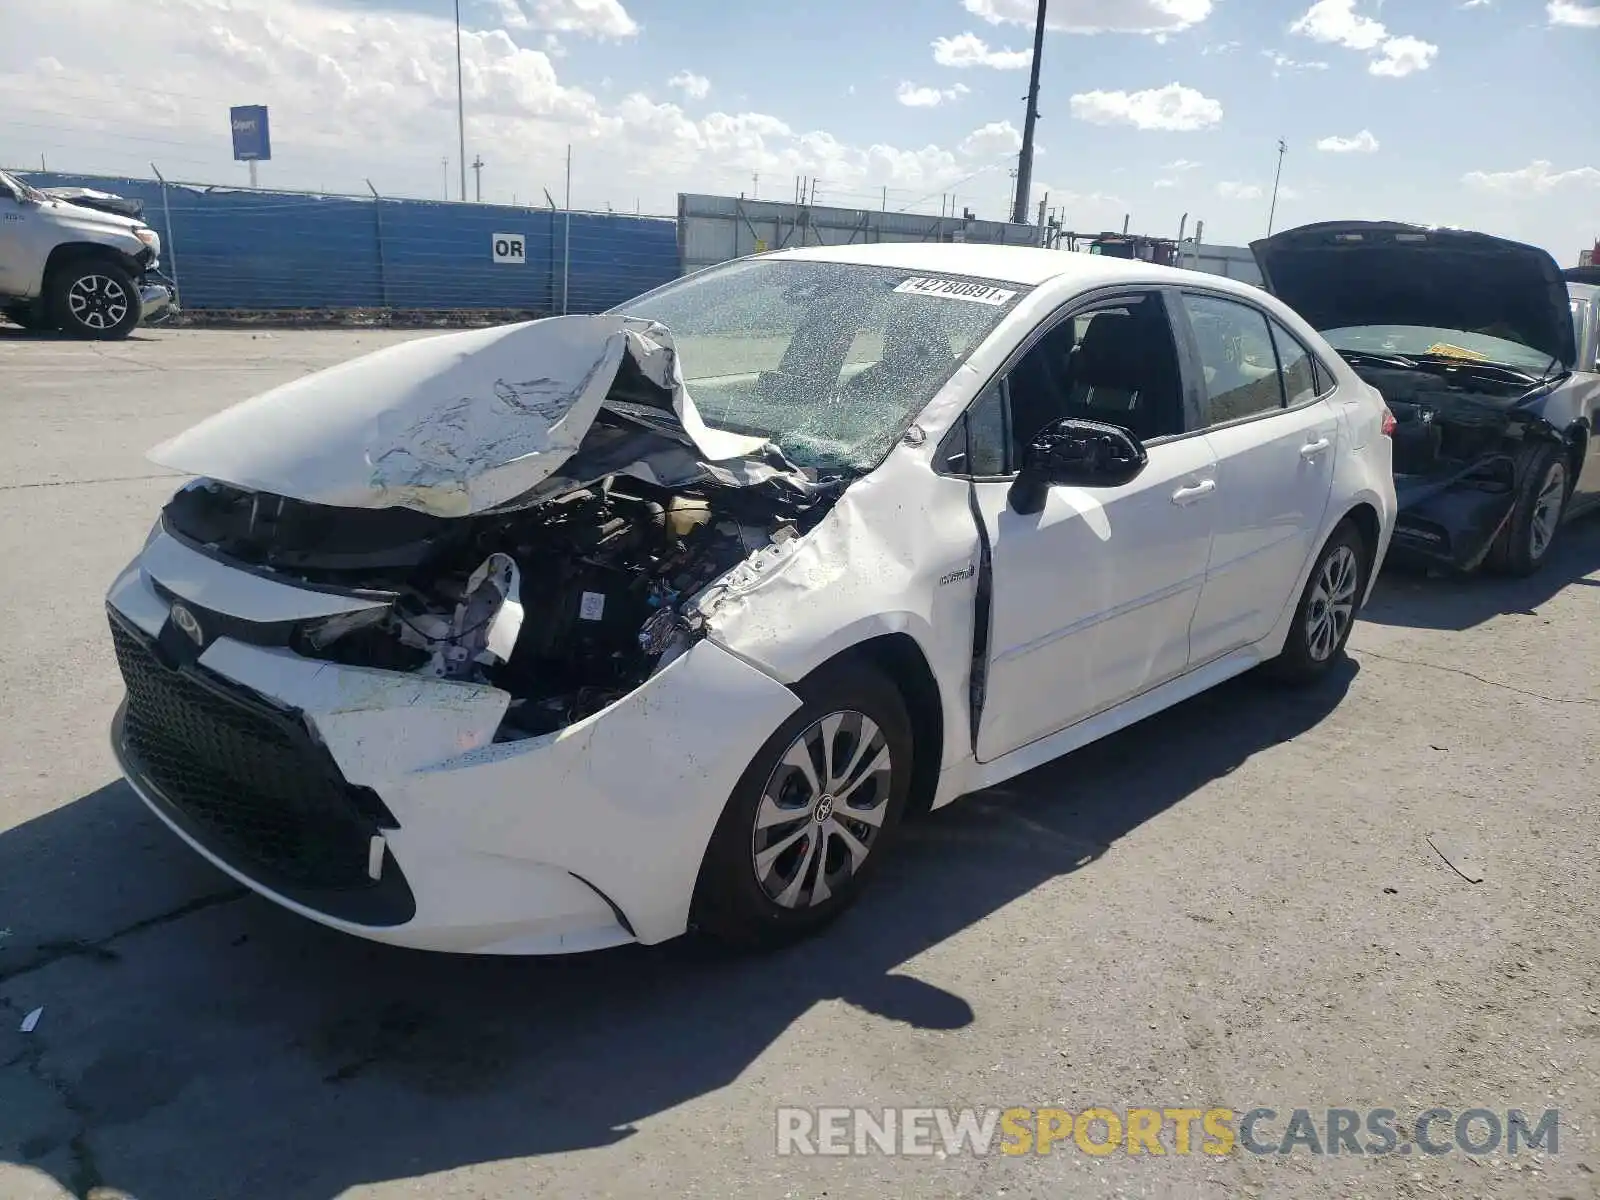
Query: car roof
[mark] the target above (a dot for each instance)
(1026, 265)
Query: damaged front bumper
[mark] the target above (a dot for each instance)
(1451, 520)
(380, 803)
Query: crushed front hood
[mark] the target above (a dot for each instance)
(451, 425)
(1340, 274)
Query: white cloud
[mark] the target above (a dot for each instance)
(589, 18)
(994, 140)
(1566, 12)
(1336, 22)
(1174, 107)
(1282, 62)
(696, 87)
(1096, 16)
(1162, 184)
(1230, 190)
(1180, 164)
(1477, 3)
(1363, 143)
(360, 93)
(913, 96)
(1402, 55)
(1220, 48)
(970, 50)
(1535, 179)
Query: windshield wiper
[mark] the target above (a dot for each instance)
(1492, 368)
(1383, 360)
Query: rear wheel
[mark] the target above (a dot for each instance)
(812, 815)
(1524, 544)
(93, 298)
(1327, 610)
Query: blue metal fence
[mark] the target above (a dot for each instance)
(241, 249)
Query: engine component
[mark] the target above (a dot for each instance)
(484, 628)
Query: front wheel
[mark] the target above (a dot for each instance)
(95, 299)
(1327, 609)
(1524, 544)
(812, 815)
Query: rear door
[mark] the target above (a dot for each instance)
(1275, 434)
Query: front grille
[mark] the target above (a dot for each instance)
(248, 776)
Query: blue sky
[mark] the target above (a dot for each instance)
(1451, 111)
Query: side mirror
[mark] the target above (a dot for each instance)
(1076, 453)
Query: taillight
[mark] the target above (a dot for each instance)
(1389, 423)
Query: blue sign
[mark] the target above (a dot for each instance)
(251, 140)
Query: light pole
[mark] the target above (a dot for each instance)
(461, 107)
(1272, 214)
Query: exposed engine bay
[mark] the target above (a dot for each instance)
(1450, 417)
(567, 605)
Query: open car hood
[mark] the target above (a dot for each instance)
(1339, 274)
(467, 422)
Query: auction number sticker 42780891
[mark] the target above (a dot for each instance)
(956, 289)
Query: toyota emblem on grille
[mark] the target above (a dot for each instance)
(185, 620)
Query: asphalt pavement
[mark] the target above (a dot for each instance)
(1241, 903)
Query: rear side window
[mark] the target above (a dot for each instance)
(1298, 367)
(1238, 358)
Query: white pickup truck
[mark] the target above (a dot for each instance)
(85, 271)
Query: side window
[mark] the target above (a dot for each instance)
(1299, 368)
(1236, 355)
(1114, 362)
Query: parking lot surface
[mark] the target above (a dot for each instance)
(1235, 904)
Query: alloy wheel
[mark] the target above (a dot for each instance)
(97, 301)
(822, 809)
(1333, 603)
(1547, 511)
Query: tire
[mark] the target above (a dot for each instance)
(93, 298)
(1327, 610)
(1524, 544)
(31, 317)
(759, 883)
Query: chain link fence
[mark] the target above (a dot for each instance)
(252, 255)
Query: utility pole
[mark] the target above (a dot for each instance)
(1272, 214)
(461, 107)
(755, 185)
(1019, 210)
(477, 170)
(566, 237)
(444, 168)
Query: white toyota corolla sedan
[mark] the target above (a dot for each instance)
(597, 629)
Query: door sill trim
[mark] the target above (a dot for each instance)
(1119, 716)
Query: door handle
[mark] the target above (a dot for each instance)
(1188, 495)
(1312, 449)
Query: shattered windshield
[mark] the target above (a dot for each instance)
(1492, 345)
(828, 360)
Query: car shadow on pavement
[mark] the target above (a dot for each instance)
(197, 1040)
(1410, 597)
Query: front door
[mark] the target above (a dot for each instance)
(1092, 596)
